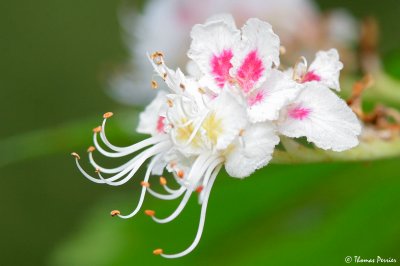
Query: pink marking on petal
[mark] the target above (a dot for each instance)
(299, 113)
(160, 125)
(257, 98)
(310, 76)
(250, 71)
(220, 66)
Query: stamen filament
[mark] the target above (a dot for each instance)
(202, 220)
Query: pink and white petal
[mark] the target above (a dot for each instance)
(151, 120)
(257, 52)
(212, 48)
(252, 151)
(325, 69)
(322, 117)
(266, 102)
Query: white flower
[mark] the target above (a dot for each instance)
(230, 114)
(317, 113)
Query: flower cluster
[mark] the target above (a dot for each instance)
(230, 111)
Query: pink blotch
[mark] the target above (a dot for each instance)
(220, 66)
(250, 71)
(257, 98)
(160, 125)
(310, 76)
(299, 113)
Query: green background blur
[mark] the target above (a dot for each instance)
(54, 59)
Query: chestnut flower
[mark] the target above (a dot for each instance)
(230, 114)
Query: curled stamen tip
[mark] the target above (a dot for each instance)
(154, 84)
(91, 149)
(108, 115)
(181, 174)
(163, 181)
(199, 189)
(115, 213)
(97, 171)
(76, 155)
(158, 251)
(97, 129)
(150, 213)
(145, 184)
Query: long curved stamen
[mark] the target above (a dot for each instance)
(208, 174)
(196, 173)
(177, 211)
(146, 155)
(163, 183)
(91, 178)
(131, 149)
(142, 144)
(171, 196)
(201, 223)
(143, 192)
(134, 162)
(111, 170)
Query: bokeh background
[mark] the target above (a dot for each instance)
(56, 56)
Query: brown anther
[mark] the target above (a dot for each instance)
(158, 251)
(76, 155)
(163, 181)
(157, 57)
(170, 103)
(241, 132)
(181, 174)
(164, 76)
(199, 189)
(97, 129)
(145, 184)
(149, 213)
(115, 213)
(182, 86)
(282, 50)
(97, 171)
(154, 84)
(202, 90)
(156, 54)
(108, 115)
(91, 149)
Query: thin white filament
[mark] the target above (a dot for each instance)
(110, 181)
(143, 192)
(130, 149)
(177, 211)
(135, 163)
(142, 144)
(172, 196)
(202, 220)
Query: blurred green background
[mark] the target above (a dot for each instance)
(55, 56)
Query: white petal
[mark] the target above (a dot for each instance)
(321, 116)
(266, 102)
(253, 151)
(212, 48)
(327, 66)
(225, 120)
(257, 52)
(149, 118)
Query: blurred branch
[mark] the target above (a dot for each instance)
(367, 150)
